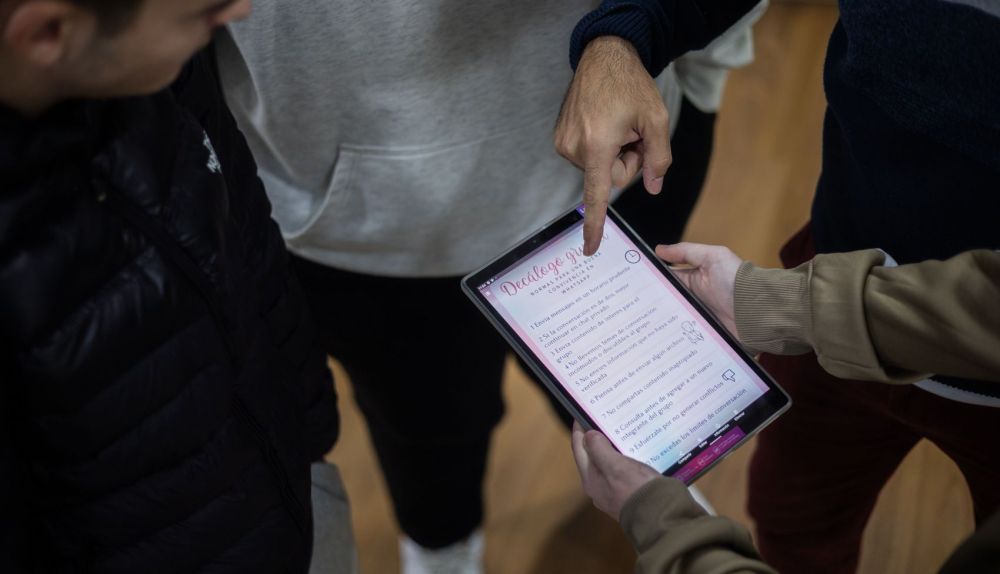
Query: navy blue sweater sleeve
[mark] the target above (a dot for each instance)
(660, 30)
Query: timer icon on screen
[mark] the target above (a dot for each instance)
(632, 256)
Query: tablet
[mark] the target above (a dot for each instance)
(620, 341)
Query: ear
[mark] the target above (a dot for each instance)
(42, 31)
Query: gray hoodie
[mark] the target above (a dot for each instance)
(414, 138)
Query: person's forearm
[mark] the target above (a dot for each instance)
(865, 321)
(939, 317)
(660, 30)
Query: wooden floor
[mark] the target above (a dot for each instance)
(758, 193)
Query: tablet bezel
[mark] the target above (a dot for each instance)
(765, 409)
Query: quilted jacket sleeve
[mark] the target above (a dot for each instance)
(11, 498)
(282, 302)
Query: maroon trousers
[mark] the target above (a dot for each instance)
(818, 470)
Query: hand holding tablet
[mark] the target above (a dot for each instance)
(625, 347)
(608, 478)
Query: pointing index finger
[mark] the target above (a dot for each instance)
(596, 191)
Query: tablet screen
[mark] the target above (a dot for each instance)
(630, 349)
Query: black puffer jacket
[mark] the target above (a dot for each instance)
(161, 390)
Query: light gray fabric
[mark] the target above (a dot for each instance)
(407, 138)
(334, 551)
(702, 74)
(988, 6)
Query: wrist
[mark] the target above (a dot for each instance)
(628, 23)
(772, 309)
(610, 53)
(609, 45)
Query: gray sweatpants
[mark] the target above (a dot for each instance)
(333, 539)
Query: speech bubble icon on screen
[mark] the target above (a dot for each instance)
(729, 375)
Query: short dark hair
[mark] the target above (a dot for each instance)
(112, 14)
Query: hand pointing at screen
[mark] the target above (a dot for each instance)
(613, 123)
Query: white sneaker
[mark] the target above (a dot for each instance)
(463, 557)
(699, 497)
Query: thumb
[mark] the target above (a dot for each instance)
(579, 451)
(600, 451)
(694, 254)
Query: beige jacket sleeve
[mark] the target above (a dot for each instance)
(673, 534)
(865, 321)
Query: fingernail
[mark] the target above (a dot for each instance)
(655, 186)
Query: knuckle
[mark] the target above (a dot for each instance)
(596, 201)
(659, 115)
(663, 162)
(561, 147)
(561, 138)
(594, 135)
(592, 180)
(568, 150)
